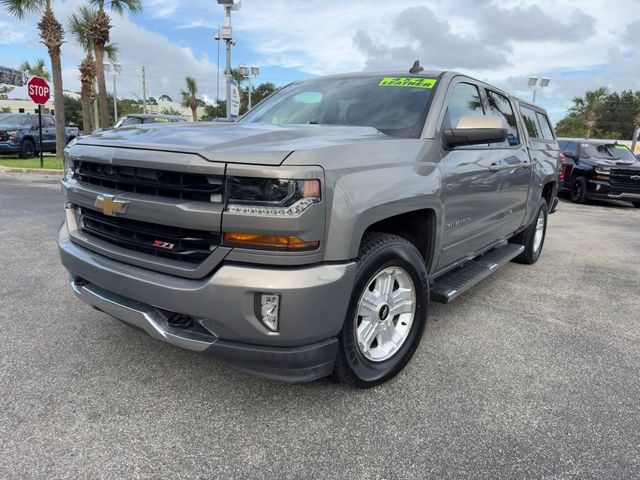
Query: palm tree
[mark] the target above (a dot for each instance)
(589, 106)
(38, 69)
(52, 35)
(189, 97)
(79, 25)
(99, 34)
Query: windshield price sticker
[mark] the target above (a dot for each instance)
(413, 82)
(621, 147)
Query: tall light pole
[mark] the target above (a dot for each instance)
(246, 73)
(217, 39)
(117, 68)
(227, 35)
(533, 82)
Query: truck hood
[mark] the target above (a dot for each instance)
(235, 143)
(601, 162)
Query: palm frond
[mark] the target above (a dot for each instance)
(20, 8)
(119, 6)
(111, 51)
(80, 24)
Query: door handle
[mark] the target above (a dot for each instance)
(495, 167)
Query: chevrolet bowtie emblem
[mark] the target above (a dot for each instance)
(110, 205)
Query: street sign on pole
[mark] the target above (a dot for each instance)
(39, 93)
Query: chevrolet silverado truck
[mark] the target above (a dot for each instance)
(308, 238)
(599, 169)
(20, 134)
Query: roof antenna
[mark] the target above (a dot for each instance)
(416, 68)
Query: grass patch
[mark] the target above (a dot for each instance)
(15, 162)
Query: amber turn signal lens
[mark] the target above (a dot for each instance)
(311, 189)
(269, 242)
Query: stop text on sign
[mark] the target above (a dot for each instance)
(38, 91)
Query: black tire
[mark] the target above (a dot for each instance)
(28, 149)
(636, 204)
(378, 252)
(527, 238)
(579, 190)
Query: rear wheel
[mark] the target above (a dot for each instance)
(387, 312)
(579, 190)
(533, 237)
(28, 149)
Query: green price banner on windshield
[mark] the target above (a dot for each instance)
(412, 82)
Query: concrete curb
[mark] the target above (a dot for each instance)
(41, 171)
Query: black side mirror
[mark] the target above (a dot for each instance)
(476, 131)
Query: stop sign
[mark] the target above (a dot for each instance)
(38, 90)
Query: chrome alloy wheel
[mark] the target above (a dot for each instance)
(537, 239)
(385, 314)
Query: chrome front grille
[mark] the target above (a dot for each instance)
(179, 244)
(149, 181)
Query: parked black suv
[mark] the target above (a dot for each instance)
(599, 169)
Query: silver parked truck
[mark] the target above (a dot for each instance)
(308, 238)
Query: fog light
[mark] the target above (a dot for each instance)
(268, 310)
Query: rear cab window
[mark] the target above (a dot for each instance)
(537, 125)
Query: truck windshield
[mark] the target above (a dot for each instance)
(393, 105)
(15, 120)
(608, 151)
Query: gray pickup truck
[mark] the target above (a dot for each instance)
(308, 238)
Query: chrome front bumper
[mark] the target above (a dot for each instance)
(141, 316)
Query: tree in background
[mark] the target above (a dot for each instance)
(80, 24)
(165, 97)
(52, 35)
(73, 111)
(259, 93)
(212, 112)
(171, 111)
(5, 90)
(189, 98)
(38, 69)
(601, 115)
(99, 34)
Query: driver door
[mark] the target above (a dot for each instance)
(471, 182)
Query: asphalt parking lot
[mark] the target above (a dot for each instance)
(535, 373)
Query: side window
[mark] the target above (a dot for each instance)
(545, 126)
(531, 122)
(500, 106)
(464, 102)
(569, 147)
(47, 122)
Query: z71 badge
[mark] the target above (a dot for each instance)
(164, 245)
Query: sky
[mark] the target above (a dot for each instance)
(578, 44)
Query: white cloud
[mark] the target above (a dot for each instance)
(526, 37)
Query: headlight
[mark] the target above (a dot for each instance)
(13, 135)
(271, 196)
(603, 170)
(69, 169)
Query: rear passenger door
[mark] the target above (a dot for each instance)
(471, 181)
(543, 149)
(515, 166)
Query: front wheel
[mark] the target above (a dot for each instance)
(387, 311)
(579, 190)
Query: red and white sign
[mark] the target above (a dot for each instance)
(38, 90)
